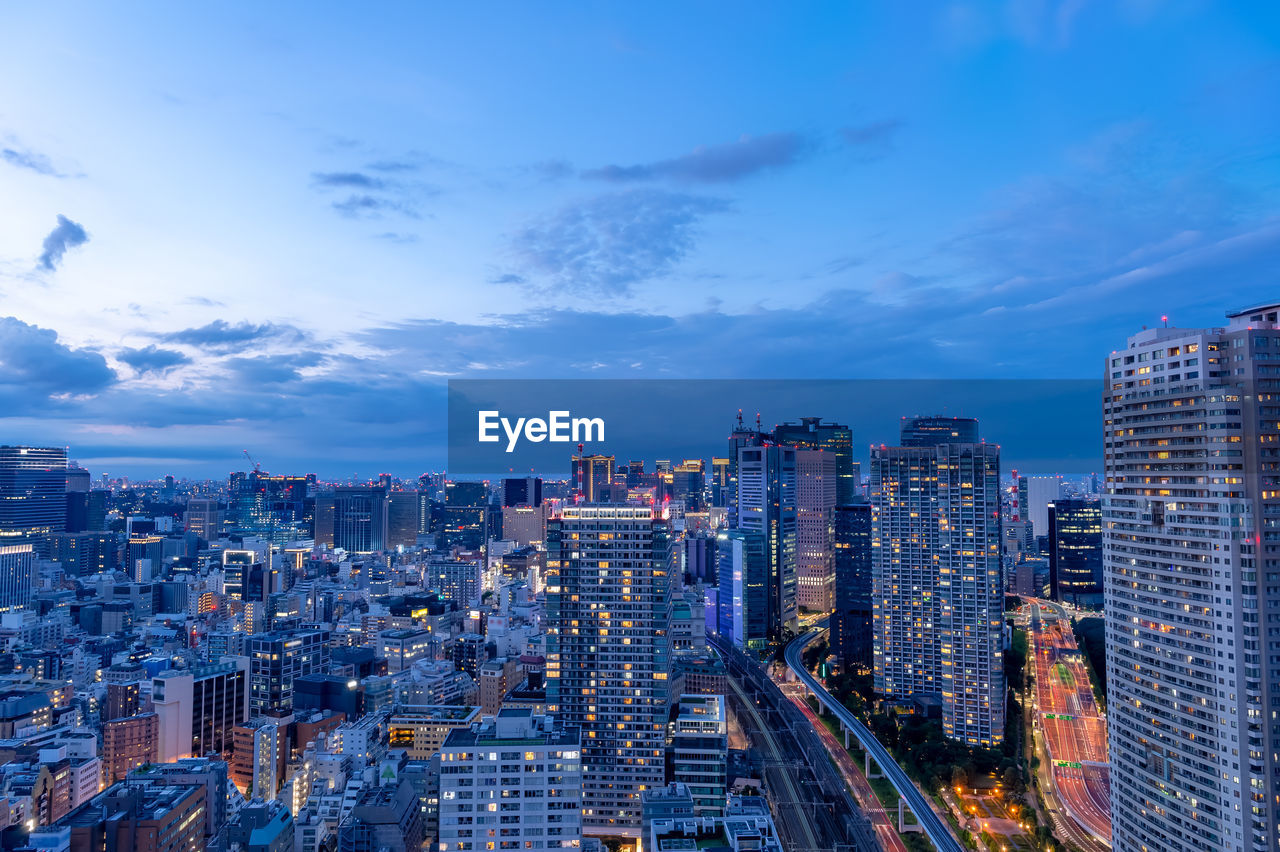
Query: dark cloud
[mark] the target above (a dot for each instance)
(66, 235)
(714, 163)
(273, 369)
(221, 334)
(152, 359)
(346, 180)
(29, 160)
(607, 243)
(32, 358)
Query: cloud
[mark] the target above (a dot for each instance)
(399, 238)
(273, 369)
(371, 207)
(508, 278)
(876, 133)
(66, 235)
(346, 180)
(393, 166)
(152, 359)
(221, 334)
(607, 243)
(203, 301)
(714, 163)
(32, 359)
(29, 160)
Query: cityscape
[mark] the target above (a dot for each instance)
(640, 428)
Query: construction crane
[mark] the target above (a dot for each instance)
(257, 468)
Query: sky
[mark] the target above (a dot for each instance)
(284, 227)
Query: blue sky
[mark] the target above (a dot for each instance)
(284, 228)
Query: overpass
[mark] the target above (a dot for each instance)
(937, 830)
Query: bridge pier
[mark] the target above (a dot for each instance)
(867, 764)
(903, 827)
(846, 739)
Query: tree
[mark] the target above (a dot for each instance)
(959, 778)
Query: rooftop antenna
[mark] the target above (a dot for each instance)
(1165, 319)
(739, 418)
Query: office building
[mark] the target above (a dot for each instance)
(17, 575)
(134, 818)
(464, 517)
(742, 599)
(277, 659)
(592, 474)
(931, 431)
(851, 634)
(33, 494)
(522, 491)
(274, 508)
(609, 578)
(1075, 551)
(203, 517)
(937, 598)
(386, 818)
(766, 504)
(198, 707)
(401, 648)
(815, 502)
(402, 519)
(538, 798)
(699, 751)
(812, 434)
(1192, 583)
(1035, 493)
(420, 729)
(360, 520)
(525, 525)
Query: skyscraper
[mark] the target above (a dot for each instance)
(592, 473)
(277, 659)
(766, 504)
(1075, 551)
(742, 581)
(1192, 585)
(33, 494)
(851, 640)
(937, 599)
(609, 576)
(522, 491)
(931, 431)
(816, 482)
(360, 519)
(812, 434)
(17, 575)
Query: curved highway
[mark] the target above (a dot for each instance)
(934, 828)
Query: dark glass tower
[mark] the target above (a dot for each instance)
(1075, 551)
(851, 637)
(812, 434)
(33, 494)
(931, 431)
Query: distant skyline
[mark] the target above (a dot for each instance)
(283, 228)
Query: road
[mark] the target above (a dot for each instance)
(813, 809)
(1072, 732)
(934, 827)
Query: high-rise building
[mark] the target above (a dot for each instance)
(591, 474)
(204, 518)
(1075, 551)
(816, 481)
(767, 505)
(609, 584)
(457, 580)
(33, 494)
(1192, 582)
(17, 575)
(812, 434)
(277, 660)
(524, 491)
(1035, 493)
(851, 636)
(360, 519)
(931, 431)
(538, 799)
(198, 707)
(402, 519)
(275, 508)
(525, 525)
(937, 598)
(464, 517)
(700, 750)
(742, 588)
